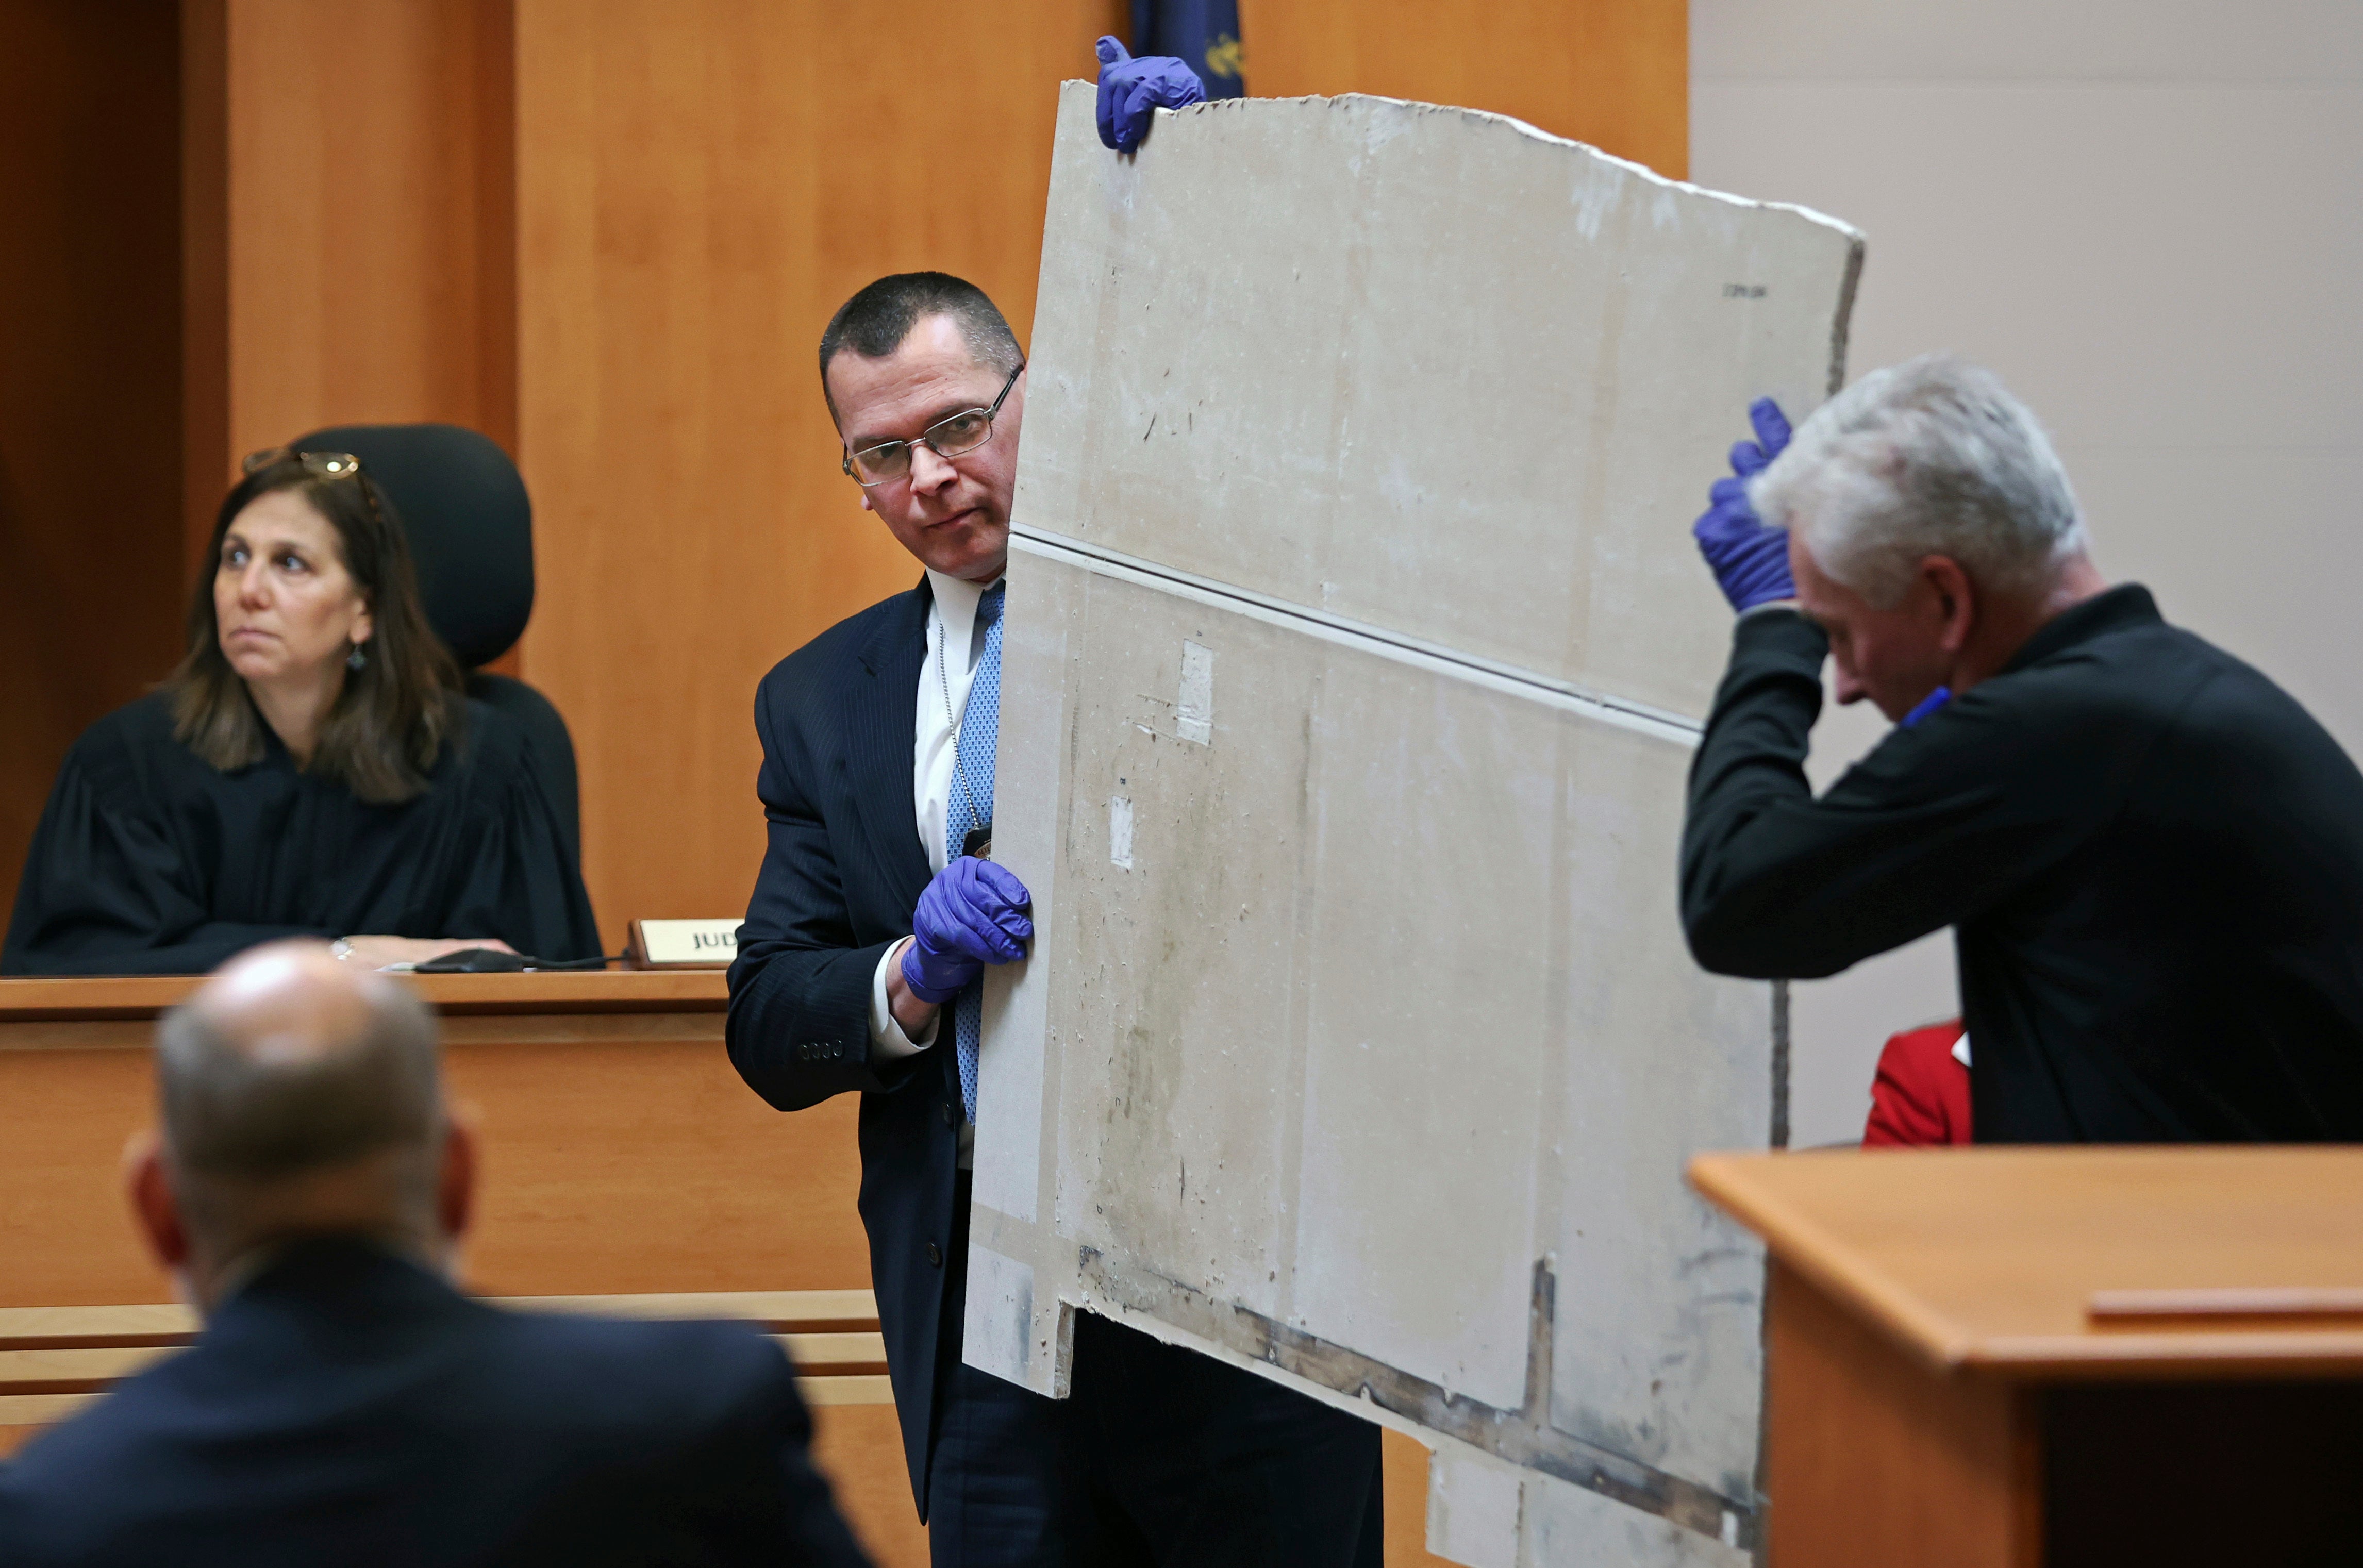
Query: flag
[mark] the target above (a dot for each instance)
(1204, 33)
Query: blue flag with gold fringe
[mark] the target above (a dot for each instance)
(1204, 33)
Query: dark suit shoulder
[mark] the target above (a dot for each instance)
(2239, 700)
(815, 670)
(138, 724)
(666, 1442)
(121, 751)
(646, 1384)
(2166, 690)
(490, 735)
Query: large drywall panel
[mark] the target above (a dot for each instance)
(1428, 392)
(1355, 654)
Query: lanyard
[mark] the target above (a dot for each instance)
(959, 722)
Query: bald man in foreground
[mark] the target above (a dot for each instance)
(345, 1402)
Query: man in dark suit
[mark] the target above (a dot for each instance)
(345, 1404)
(871, 920)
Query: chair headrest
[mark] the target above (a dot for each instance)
(462, 504)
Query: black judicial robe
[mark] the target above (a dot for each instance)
(2151, 856)
(150, 860)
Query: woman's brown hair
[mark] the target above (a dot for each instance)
(397, 713)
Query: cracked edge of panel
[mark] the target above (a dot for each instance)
(1524, 1438)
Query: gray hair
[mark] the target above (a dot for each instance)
(1930, 457)
(241, 1117)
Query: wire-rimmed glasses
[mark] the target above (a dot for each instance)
(962, 432)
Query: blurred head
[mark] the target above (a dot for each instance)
(308, 569)
(899, 360)
(300, 1097)
(1931, 529)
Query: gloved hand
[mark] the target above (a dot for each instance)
(1130, 88)
(973, 914)
(1750, 561)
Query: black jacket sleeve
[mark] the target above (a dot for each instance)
(1923, 832)
(799, 1025)
(522, 884)
(104, 891)
(784, 1498)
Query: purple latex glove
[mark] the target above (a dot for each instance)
(1750, 561)
(1130, 88)
(973, 914)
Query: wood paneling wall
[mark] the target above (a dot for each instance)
(351, 251)
(623, 1162)
(90, 380)
(1612, 73)
(230, 221)
(700, 183)
(606, 232)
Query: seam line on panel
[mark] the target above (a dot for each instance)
(1402, 648)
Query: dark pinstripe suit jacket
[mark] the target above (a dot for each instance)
(841, 875)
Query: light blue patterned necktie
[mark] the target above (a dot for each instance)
(971, 806)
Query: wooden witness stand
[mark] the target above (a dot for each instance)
(625, 1167)
(2000, 1358)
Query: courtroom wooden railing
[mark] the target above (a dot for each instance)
(54, 1360)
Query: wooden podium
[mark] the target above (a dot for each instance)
(1990, 1357)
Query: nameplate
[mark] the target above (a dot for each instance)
(684, 944)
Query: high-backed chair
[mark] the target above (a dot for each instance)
(463, 505)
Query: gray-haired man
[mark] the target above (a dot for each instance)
(2151, 855)
(345, 1404)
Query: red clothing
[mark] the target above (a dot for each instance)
(1921, 1097)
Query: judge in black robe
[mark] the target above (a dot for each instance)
(310, 769)
(150, 860)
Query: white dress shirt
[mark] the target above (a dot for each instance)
(949, 669)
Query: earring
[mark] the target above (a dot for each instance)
(356, 660)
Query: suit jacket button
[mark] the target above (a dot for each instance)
(947, 1114)
(935, 1256)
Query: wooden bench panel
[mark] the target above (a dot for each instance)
(635, 1162)
(777, 1311)
(82, 1328)
(73, 1371)
(860, 1449)
(169, 1323)
(89, 1370)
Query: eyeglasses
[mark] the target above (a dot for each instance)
(319, 465)
(323, 465)
(963, 432)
